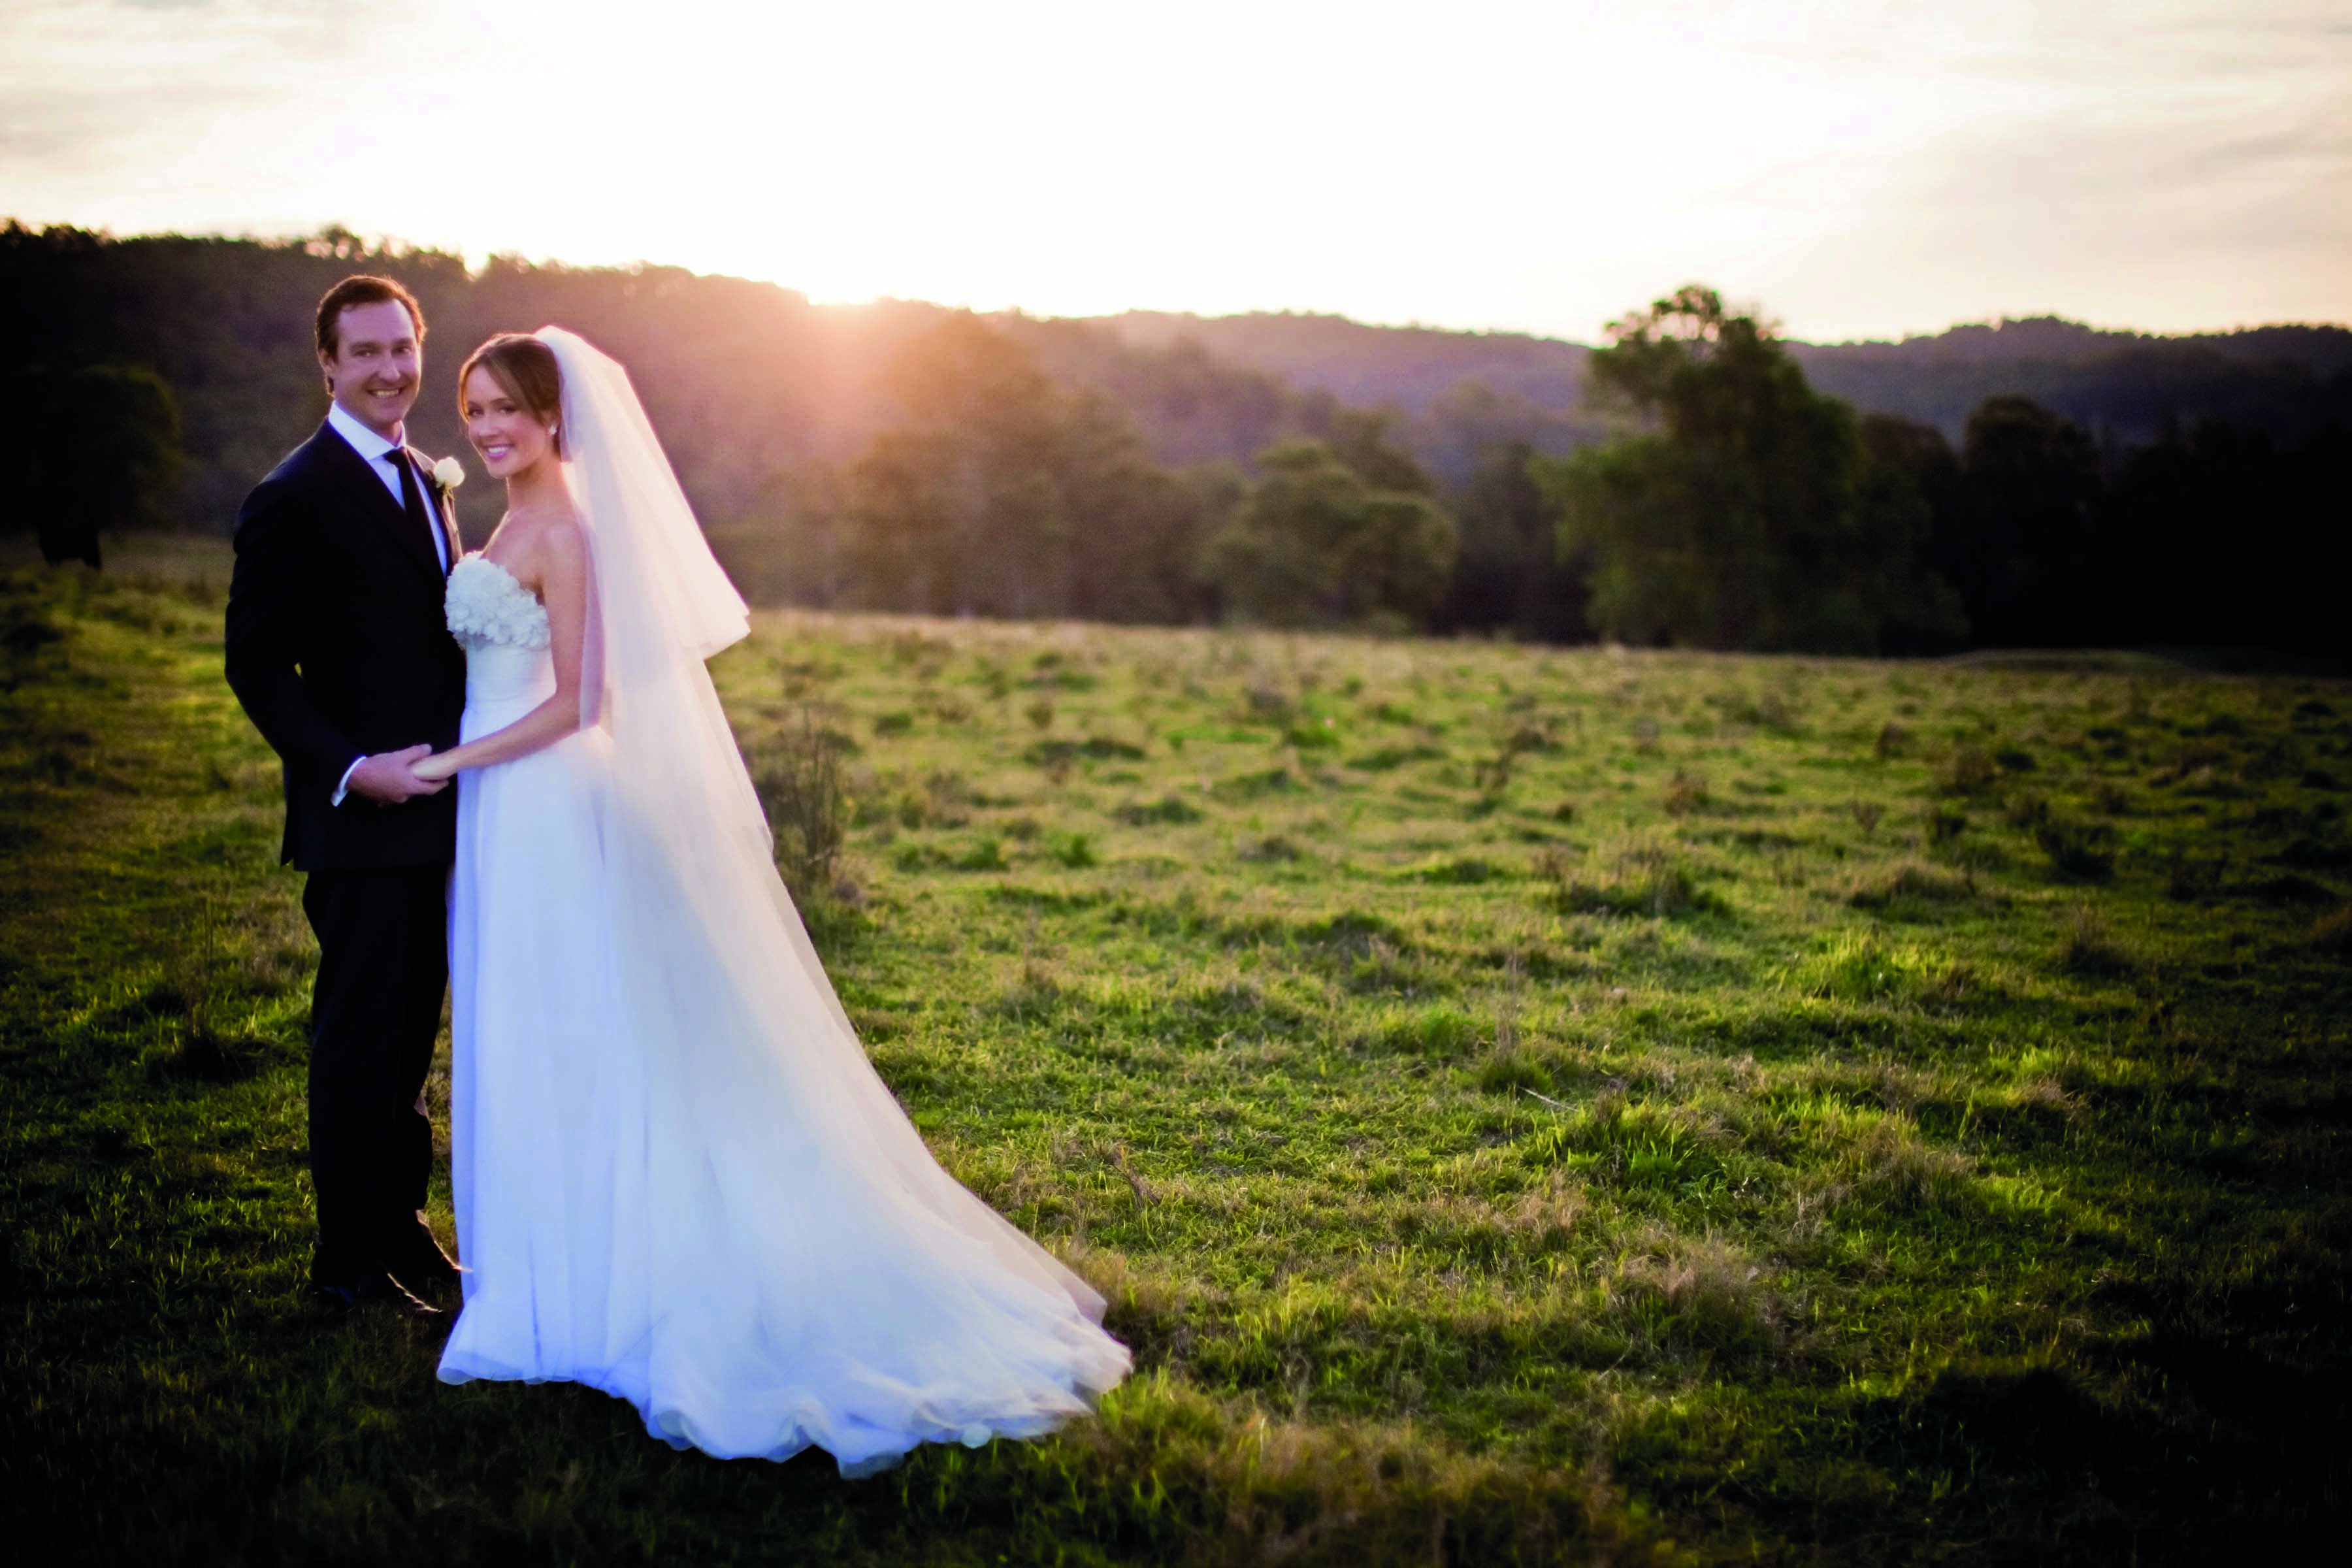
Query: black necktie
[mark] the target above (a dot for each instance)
(412, 500)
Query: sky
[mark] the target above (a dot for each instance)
(1857, 169)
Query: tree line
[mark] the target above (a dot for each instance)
(1001, 492)
(1747, 509)
(905, 456)
(1731, 505)
(897, 455)
(2119, 385)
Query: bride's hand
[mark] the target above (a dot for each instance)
(436, 767)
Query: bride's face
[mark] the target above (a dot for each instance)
(509, 437)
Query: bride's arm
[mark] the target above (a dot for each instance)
(564, 566)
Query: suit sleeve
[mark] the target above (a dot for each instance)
(267, 617)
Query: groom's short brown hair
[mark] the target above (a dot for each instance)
(360, 288)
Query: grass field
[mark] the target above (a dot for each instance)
(1524, 1105)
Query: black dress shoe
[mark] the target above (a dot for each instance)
(376, 1290)
(415, 1259)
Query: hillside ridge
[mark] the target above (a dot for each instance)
(2115, 376)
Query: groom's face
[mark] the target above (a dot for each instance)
(377, 364)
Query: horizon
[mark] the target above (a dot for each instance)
(1853, 168)
(477, 266)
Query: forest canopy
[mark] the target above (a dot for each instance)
(1695, 481)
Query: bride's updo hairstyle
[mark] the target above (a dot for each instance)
(525, 367)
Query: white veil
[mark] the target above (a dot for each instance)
(773, 1149)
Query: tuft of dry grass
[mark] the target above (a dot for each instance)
(1905, 882)
(1035, 986)
(1547, 1213)
(2045, 1095)
(1889, 1165)
(1968, 770)
(1702, 1292)
(1264, 1488)
(1636, 876)
(2332, 933)
(2080, 851)
(801, 788)
(2085, 946)
(1866, 966)
(1685, 793)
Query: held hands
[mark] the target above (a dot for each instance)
(440, 769)
(395, 776)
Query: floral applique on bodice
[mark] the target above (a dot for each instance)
(487, 609)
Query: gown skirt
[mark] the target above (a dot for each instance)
(706, 1229)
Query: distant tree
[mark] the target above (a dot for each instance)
(1461, 429)
(1134, 553)
(794, 543)
(2018, 544)
(907, 519)
(2217, 535)
(971, 500)
(1916, 451)
(1318, 543)
(1004, 496)
(1187, 404)
(93, 450)
(1363, 439)
(1509, 576)
(2308, 558)
(1747, 512)
(2160, 548)
(1908, 456)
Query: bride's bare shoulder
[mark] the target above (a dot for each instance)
(565, 547)
(561, 531)
(543, 544)
(549, 530)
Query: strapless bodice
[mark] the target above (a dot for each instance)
(504, 632)
(487, 609)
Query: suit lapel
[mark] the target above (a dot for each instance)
(359, 478)
(442, 504)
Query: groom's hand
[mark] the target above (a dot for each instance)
(390, 778)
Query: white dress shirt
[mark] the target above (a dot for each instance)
(381, 454)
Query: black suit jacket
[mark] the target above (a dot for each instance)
(339, 648)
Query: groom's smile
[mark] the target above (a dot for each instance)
(375, 365)
(392, 399)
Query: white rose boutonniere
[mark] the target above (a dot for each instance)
(448, 473)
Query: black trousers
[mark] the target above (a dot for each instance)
(383, 967)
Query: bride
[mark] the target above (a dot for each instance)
(678, 1179)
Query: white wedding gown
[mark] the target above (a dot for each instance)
(674, 1180)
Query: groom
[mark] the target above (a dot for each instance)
(337, 649)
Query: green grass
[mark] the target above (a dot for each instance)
(1524, 1105)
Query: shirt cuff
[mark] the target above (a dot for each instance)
(343, 784)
